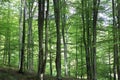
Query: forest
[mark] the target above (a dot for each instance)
(59, 39)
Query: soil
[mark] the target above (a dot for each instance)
(12, 74)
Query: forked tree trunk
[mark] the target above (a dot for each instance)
(85, 32)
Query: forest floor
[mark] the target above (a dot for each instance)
(11, 74)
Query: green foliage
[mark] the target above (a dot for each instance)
(10, 35)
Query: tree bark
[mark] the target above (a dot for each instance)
(20, 31)
(50, 55)
(58, 44)
(95, 15)
(118, 35)
(86, 41)
(23, 42)
(30, 36)
(63, 16)
(41, 8)
(46, 37)
(76, 53)
(115, 46)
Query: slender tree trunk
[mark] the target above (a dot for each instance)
(118, 35)
(95, 14)
(23, 43)
(110, 77)
(76, 53)
(20, 31)
(109, 59)
(46, 37)
(50, 55)
(58, 45)
(69, 68)
(51, 71)
(9, 54)
(41, 8)
(8, 31)
(30, 36)
(81, 59)
(63, 16)
(114, 38)
(5, 58)
(85, 33)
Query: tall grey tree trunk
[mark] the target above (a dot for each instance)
(63, 17)
(21, 70)
(29, 45)
(20, 30)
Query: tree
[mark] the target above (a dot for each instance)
(41, 8)
(31, 11)
(118, 59)
(63, 19)
(61, 39)
(115, 38)
(58, 43)
(89, 38)
(95, 15)
(46, 37)
(86, 41)
(23, 42)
